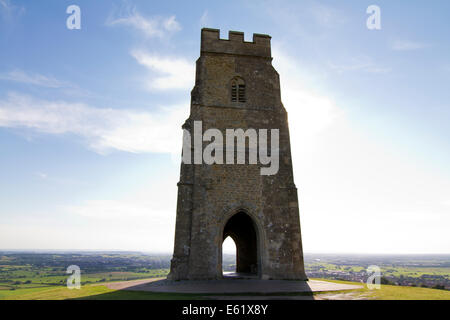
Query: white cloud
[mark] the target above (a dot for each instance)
(364, 64)
(41, 175)
(155, 202)
(151, 27)
(205, 19)
(171, 24)
(103, 129)
(136, 235)
(34, 79)
(326, 15)
(5, 5)
(311, 111)
(115, 210)
(407, 45)
(139, 219)
(173, 72)
(361, 185)
(8, 10)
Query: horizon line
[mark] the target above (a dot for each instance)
(170, 253)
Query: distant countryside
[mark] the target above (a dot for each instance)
(428, 271)
(33, 270)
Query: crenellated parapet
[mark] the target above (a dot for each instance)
(235, 44)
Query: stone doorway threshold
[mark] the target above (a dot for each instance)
(239, 275)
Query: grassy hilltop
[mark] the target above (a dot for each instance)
(30, 276)
(101, 292)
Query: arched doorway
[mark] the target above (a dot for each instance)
(241, 228)
(228, 256)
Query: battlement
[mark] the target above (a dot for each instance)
(235, 44)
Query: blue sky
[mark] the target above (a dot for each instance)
(90, 119)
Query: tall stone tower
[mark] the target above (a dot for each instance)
(236, 86)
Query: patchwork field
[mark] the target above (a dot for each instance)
(427, 271)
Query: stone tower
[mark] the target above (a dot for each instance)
(236, 86)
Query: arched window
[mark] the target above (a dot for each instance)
(238, 90)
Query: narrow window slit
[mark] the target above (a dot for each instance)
(233, 93)
(238, 90)
(241, 93)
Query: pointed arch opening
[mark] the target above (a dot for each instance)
(229, 252)
(241, 228)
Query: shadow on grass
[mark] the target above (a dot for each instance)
(205, 290)
(140, 295)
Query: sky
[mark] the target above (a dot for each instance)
(90, 119)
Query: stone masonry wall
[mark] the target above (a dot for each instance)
(208, 195)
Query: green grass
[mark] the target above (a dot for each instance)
(89, 292)
(101, 292)
(388, 292)
(53, 293)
